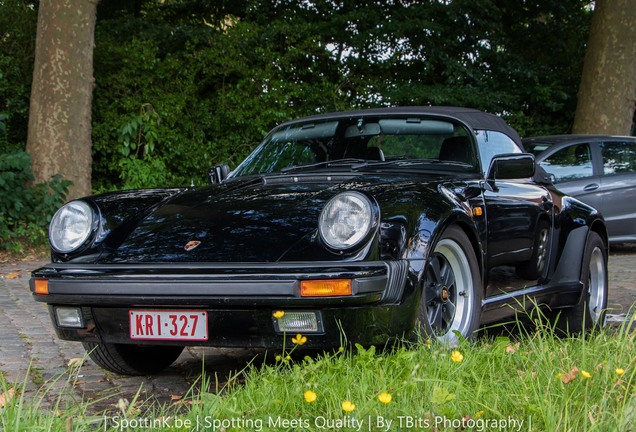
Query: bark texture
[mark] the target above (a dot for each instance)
(59, 137)
(607, 95)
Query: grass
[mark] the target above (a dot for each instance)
(532, 381)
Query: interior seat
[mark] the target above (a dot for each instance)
(457, 149)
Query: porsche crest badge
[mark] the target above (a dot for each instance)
(192, 244)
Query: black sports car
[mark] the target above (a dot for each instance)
(348, 227)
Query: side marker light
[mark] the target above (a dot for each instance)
(325, 288)
(41, 286)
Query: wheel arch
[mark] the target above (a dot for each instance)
(598, 226)
(473, 237)
(469, 229)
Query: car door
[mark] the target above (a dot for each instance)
(513, 210)
(513, 207)
(618, 189)
(573, 172)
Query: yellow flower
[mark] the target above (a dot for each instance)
(385, 398)
(347, 406)
(279, 358)
(620, 371)
(479, 414)
(457, 357)
(299, 339)
(279, 314)
(585, 374)
(310, 396)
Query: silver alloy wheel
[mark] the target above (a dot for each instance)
(449, 292)
(596, 286)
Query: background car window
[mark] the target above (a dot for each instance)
(493, 143)
(570, 163)
(619, 157)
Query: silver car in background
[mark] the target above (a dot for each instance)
(599, 170)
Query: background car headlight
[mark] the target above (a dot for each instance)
(71, 226)
(346, 220)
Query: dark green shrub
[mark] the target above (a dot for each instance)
(25, 208)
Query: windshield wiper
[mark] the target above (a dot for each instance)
(329, 163)
(400, 162)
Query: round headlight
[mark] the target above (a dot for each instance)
(71, 226)
(346, 220)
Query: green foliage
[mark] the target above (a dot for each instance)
(17, 47)
(3, 130)
(25, 209)
(215, 92)
(182, 85)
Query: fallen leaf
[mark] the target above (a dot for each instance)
(570, 376)
(75, 362)
(6, 397)
(123, 405)
(513, 348)
(13, 275)
(175, 397)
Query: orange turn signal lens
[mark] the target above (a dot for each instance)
(41, 286)
(478, 211)
(325, 288)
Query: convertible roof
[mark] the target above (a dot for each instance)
(474, 118)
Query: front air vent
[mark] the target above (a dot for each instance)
(398, 271)
(310, 178)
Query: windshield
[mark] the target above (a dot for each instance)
(364, 142)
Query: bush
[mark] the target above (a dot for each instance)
(25, 208)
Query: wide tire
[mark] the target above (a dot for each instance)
(451, 289)
(533, 269)
(127, 359)
(589, 313)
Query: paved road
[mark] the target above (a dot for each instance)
(28, 343)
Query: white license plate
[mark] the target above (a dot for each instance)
(188, 325)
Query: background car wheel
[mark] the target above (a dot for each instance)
(451, 296)
(127, 359)
(590, 312)
(533, 268)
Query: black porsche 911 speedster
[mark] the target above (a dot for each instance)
(352, 227)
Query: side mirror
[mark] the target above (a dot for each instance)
(511, 166)
(218, 173)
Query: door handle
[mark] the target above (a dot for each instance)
(591, 187)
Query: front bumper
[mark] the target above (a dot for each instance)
(239, 299)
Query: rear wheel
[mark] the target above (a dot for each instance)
(451, 296)
(590, 312)
(127, 359)
(533, 268)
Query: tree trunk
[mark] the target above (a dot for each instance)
(59, 136)
(607, 95)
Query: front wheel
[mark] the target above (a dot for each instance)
(127, 359)
(452, 292)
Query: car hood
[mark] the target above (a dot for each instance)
(258, 220)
